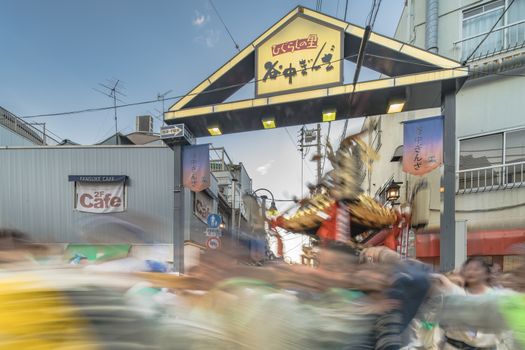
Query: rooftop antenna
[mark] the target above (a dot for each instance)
(162, 97)
(111, 90)
(159, 116)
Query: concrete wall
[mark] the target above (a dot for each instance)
(490, 104)
(484, 105)
(450, 30)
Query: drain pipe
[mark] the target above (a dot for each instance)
(431, 32)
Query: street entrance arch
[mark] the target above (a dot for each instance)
(296, 67)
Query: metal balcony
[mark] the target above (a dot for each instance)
(493, 178)
(503, 39)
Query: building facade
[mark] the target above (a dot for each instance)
(42, 187)
(490, 127)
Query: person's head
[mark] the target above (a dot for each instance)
(476, 271)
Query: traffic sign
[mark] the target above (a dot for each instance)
(214, 220)
(213, 243)
(167, 132)
(213, 232)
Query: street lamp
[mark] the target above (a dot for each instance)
(273, 208)
(392, 192)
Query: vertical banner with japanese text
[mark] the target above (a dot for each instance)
(422, 145)
(196, 167)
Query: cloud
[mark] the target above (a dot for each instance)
(263, 169)
(209, 37)
(200, 19)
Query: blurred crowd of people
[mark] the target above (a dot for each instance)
(370, 300)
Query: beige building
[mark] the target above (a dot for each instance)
(490, 126)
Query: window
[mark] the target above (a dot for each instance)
(481, 152)
(515, 146)
(509, 31)
(492, 160)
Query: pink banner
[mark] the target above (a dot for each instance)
(196, 167)
(422, 145)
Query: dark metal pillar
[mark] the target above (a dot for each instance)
(178, 212)
(448, 182)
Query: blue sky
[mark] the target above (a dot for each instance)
(55, 52)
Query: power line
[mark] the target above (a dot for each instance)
(98, 109)
(346, 9)
(486, 36)
(225, 26)
(370, 21)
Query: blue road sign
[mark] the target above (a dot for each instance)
(214, 220)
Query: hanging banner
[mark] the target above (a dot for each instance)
(196, 167)
(203, 206)
(422, 145)
(100, 197)
(303, 54)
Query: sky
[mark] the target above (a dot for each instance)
(55, 53)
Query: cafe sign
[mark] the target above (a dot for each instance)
(303, 54)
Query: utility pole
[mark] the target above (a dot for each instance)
(306, 138)
(300, 148)
(111, 92)
(319, 175)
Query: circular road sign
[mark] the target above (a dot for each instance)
(214, 220)
(213, 243)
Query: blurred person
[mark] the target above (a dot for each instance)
(16, 247)
(476, 273)
(456, 278)
(408, 287)
(494, 312)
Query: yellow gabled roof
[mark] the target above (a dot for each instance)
(381, 43)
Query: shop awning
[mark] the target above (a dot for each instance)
(97, 252)
(481, 243)
(97, 178)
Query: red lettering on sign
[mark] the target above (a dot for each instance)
(100, 202)
(295, 45)
(83, 199)
(115, 202)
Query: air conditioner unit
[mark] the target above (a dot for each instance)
(144, 123)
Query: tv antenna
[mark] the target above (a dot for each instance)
(162, 97)
(111, 90)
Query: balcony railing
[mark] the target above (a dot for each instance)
(503, 39)
(497, 177)
(10, 121)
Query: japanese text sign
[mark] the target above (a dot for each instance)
(196, 167)
(422, 145)
(303, 54)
